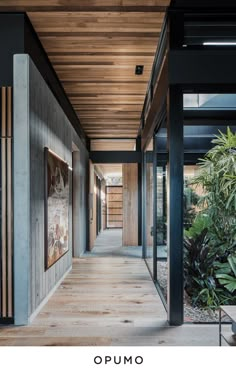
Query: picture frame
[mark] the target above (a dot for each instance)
(56, 206)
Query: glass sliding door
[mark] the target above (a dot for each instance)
(156, 253)
(161, 232)
(149, 205)
(161, 246)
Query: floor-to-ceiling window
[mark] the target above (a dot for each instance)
(161, 211)
(149, 205)
(209, 220)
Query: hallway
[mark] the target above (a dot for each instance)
(109, 243)
(108, 300)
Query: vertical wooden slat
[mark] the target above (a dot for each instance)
(6, 199)
(9, 203)
(4, 236)
(4, 122)
(9, 111)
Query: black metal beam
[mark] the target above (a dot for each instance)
(203, 4)
(205, 117)
(115, 157)
(189, 158)
(175, 205)
(197, 67)
(12, 42)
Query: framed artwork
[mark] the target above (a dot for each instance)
(56, 208)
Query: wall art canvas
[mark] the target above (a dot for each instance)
(56, 208)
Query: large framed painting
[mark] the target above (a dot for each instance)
(56, 208)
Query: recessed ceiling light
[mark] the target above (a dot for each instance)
(139, 69)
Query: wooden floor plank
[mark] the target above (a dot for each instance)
(107, 299)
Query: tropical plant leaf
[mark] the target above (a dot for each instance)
(232, 263)
(228, 281)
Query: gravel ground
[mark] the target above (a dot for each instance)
(191, 314)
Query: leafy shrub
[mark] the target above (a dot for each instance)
(199, 259)
(226, 273)
(201, 222)
(210, 243)
(217, 177)
(204, 274)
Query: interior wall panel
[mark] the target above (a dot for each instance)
(130, 204)
(48, 126)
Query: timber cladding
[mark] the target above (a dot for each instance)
(94, 55)
(114, 210)
(94, 47)
(6, 248)
(130, 204)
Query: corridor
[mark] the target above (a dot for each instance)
(109, 243)
(108, 299)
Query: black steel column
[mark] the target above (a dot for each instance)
(144, 244)
(175, 205)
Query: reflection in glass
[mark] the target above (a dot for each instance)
(162, 271)
(149, 207)
(209, 101)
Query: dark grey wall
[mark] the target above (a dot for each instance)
(46, 126)
(11, 41)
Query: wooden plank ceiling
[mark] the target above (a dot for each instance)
(110, 170)
(112, 144)
(94, 47)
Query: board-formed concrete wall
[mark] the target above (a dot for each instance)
(39, 122)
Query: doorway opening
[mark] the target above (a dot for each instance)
(108, 204)
(114, 208)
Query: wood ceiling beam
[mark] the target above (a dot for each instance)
(112, 121)
(103, 17)
(87, 60)
(113, 136)
(95, 54)
(102, 34)
(85, 5)
(109, 116)
(109, 100)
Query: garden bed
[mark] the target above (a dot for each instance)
(191, 314)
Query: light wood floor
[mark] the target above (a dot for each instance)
(106, 300)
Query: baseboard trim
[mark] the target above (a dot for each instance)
(42, 304)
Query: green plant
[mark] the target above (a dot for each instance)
(210, 243)
(199, 261)
(226, 273)
(200, 223)
(217, 177)
(208, 282)
(191, 199)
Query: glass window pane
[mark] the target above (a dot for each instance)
(149, 206)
